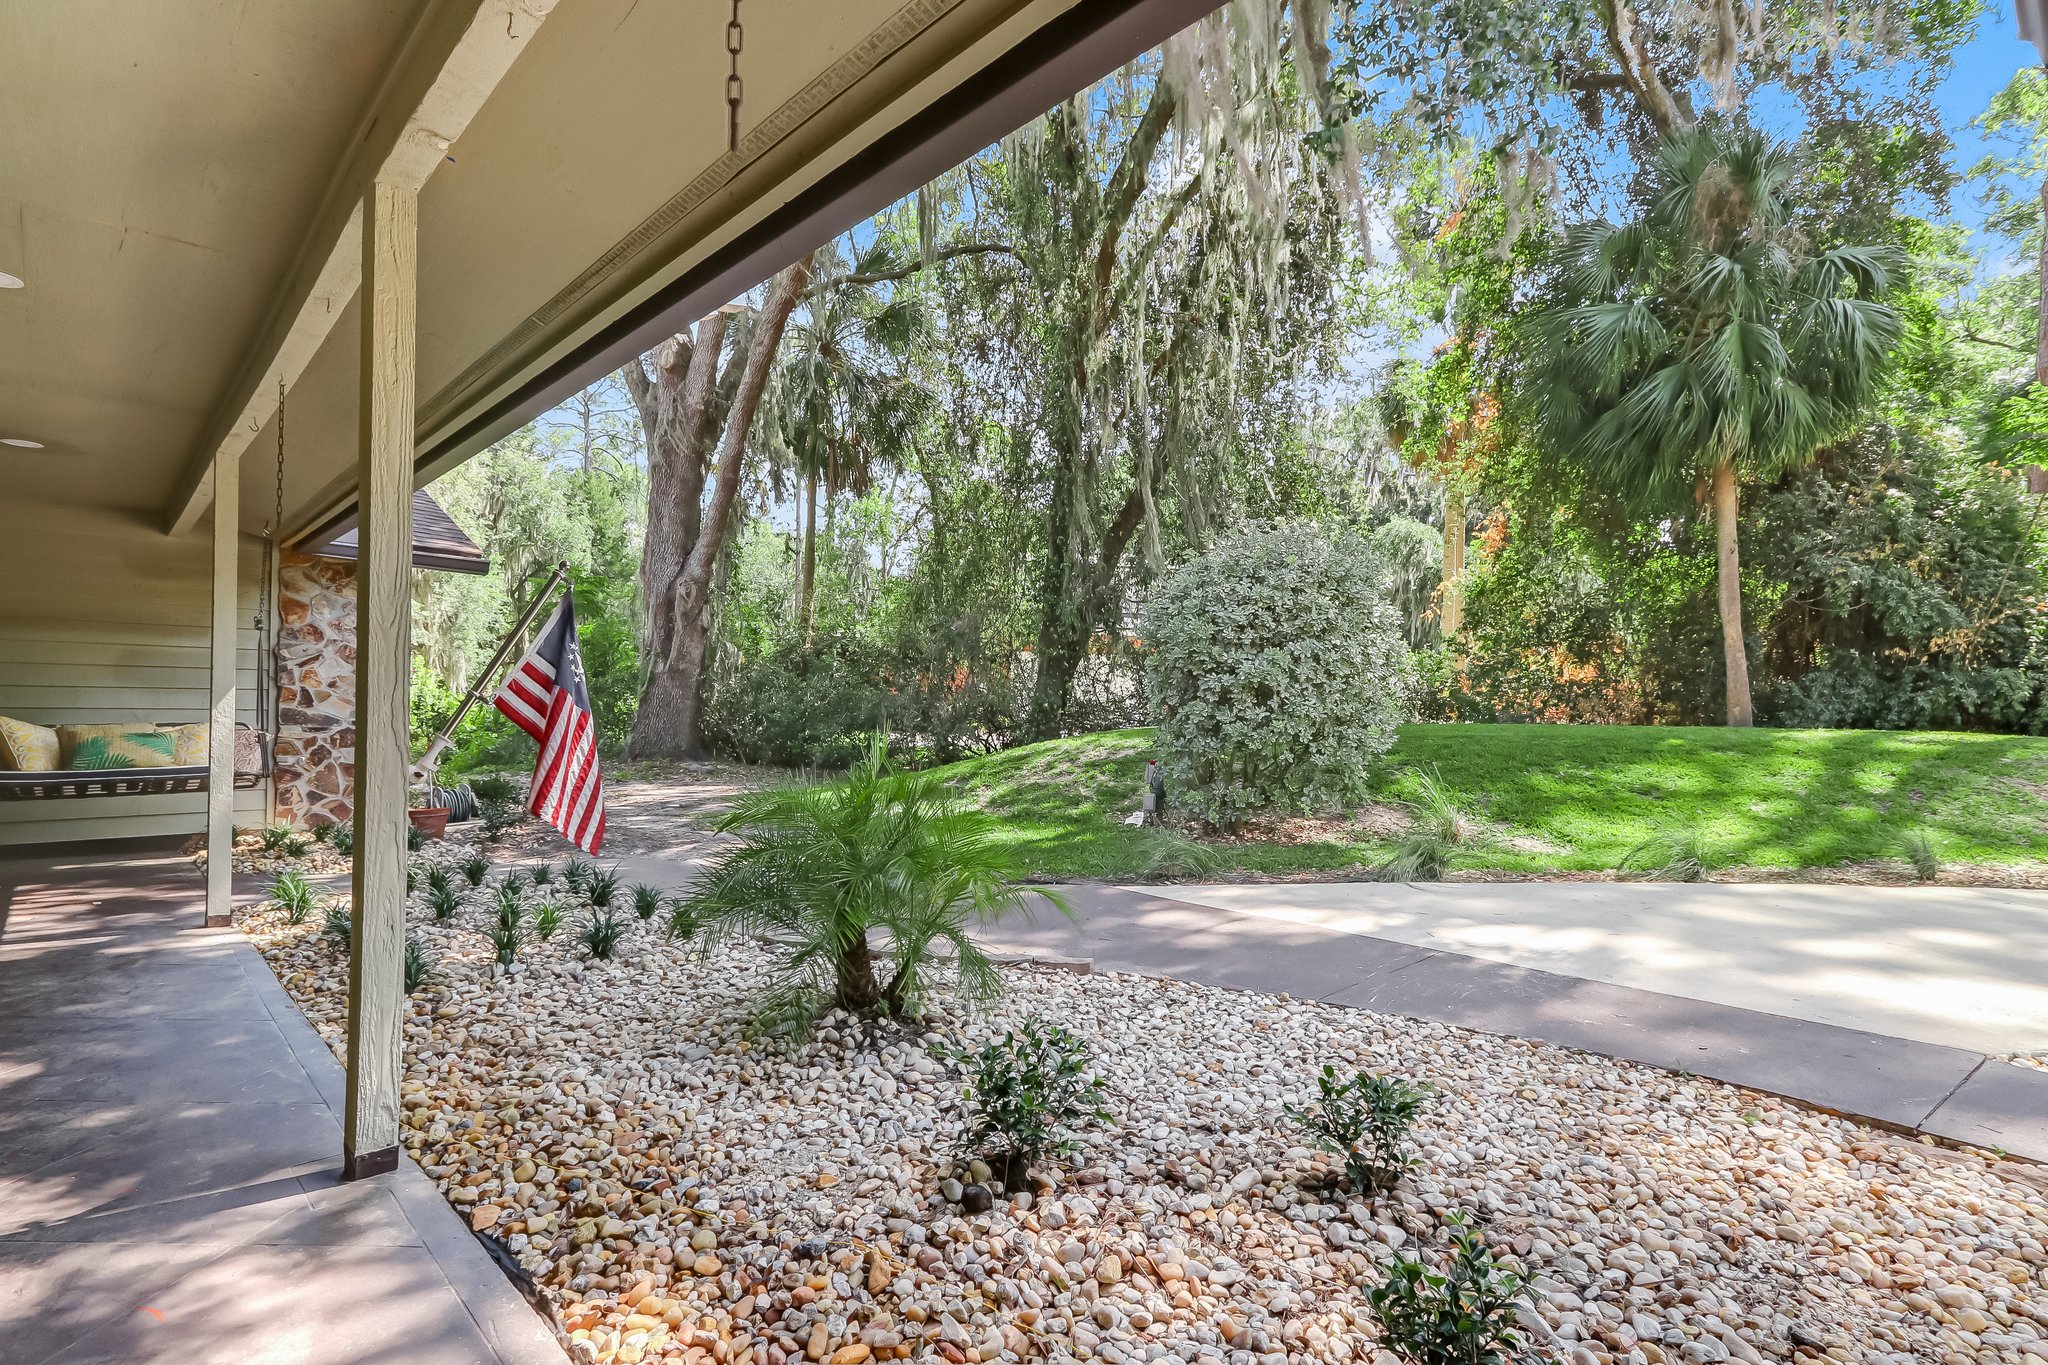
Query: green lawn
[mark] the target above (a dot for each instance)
(1581, 797)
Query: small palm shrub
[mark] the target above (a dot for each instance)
(1027, 1094)
(1460, 1312)
(540, 874)
(576, 875)
(421, 966)
(475, 868)
(341, 838)
(1919, 851)
(1278, 667)
(443, 900)
(601, 934)
(821, 872)
(1364, 1122)
(339, 923)
(547, 917)
(508, 932)
(292, 894)
(1670, 858)
(646, 901)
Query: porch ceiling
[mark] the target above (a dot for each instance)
(162, 167)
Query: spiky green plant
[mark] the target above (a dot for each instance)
(547, 917)
(475, 868)
(601, 888)
(415, 839)
(339, 923)
(282, 838)
(821, 873)
(1681, 857)
(508, 932)
(1169, 855)
(1919, 851)
(540, 874)
(509, 901)
(601, 934)
(438, 878)
(576, 874)
(443, 900)
(421, 966)
(1435, 811)
(293, 894)
(646, 900)
(322, 833)
(412, 878)
(1420, 855)
(342, 838)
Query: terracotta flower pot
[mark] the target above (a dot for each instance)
(431, 821)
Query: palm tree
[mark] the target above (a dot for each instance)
(1705, 343)
(854, 884)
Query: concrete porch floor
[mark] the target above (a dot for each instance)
(169, 1141)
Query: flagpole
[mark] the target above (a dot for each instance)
(430, 761)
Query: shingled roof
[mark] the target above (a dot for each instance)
(437, 542)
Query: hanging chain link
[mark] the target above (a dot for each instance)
(735, 88)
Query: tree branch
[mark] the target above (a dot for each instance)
(938, 258)
(1128, 182)
(1967, 335)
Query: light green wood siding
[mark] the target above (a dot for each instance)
(104, 618)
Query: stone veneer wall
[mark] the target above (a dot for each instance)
(316, 714)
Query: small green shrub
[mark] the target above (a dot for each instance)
(508, 932)
(443, 900)
(475, 868)
(540, 874)
(292, 894)
(1919, 851)
(322, 833)
(1420, 855)
(339, 923)
(646, 901)
(282, 838)
(509, 901)
(438, 878)
(1027, 1093)
(1364, 1122)
(602, 887)
(1170, 856)
(576, 875)
(494, 788)
(342, 838)
(1278, 668)
(1461, 1312)
(415, 840)
(1435, 811)
(412, 878)
(1670, 858)
(421, 966)
(601, 934)
(547, 917)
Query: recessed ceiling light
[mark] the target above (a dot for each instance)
(21, 441)
(8, 281)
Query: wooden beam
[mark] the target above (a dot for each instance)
(376, 993)
(452, 58)
(220, 733)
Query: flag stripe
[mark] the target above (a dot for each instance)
(546, 696)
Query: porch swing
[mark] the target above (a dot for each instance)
(252, 757)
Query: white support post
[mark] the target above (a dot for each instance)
(383, 656)
(220, 733)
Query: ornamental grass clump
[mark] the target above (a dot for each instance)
(282, 838)
(508, 932)
(475, 868)
(341, 837)
(1028, 1094)
(1278, 668)
(854, 887)
(547, 917)
(601, 934)
(421, 966)
(339, 923)
(601, 888)
(1364, 1122)
(1461, 1310)
(646, 901)
(540, 874)
(443, 900)
(293, 894)
(576, 875)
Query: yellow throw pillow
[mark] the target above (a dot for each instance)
(101, 747)
(188, 745)
(26, 748)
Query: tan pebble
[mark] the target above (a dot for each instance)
(484, 1216)
(708, 1265)
(852, 1354)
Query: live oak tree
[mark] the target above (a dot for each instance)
(696, 404)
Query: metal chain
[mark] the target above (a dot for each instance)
(735, 88)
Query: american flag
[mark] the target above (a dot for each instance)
(546, 697)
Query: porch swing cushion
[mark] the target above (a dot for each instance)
(27, 748)
(98, 748)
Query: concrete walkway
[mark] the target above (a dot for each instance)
(169, 1138)
(1950, 1091)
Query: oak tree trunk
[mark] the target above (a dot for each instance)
(1728, 569)
(686, 530)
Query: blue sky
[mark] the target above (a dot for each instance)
(1981, 70)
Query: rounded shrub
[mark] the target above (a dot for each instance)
(1277, 669)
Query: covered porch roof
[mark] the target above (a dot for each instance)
(181, 186)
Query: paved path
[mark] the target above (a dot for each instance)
(1949, 1091)
(1962, 966)
(169, 1142)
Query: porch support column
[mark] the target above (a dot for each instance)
(220, 733)
(376, 994)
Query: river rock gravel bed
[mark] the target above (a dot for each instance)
(678, 1193)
